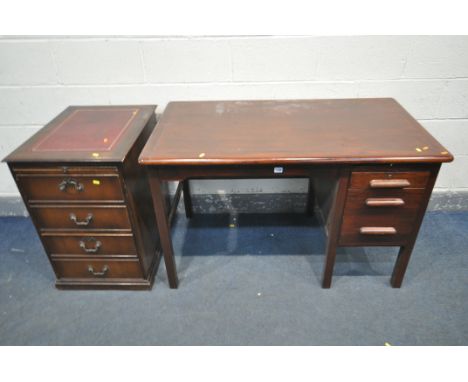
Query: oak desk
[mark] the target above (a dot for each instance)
(371, 165)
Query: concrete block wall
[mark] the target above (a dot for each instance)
(428, 75)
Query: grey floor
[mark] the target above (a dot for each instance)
(250, 280)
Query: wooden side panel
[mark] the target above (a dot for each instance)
(140, 203)
(324, 184)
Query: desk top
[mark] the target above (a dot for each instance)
(295, 131)
(86, 133)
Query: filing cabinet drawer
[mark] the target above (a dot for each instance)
(389, 180)
(97, 269)
(80, 217)
(76, 188)
(88, 244)
(73, 170)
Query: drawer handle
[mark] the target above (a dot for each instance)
(378, 231)
(384, 202)
(103, 272)
(97, 245)
(389, 183)
(84, 222)
(64, 184)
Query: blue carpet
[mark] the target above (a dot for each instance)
(248, 280)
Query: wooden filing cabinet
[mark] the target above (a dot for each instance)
(88, 197)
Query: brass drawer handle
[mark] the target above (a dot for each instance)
(97, 245)
(64, 184)
(103, 272)
(378, 231)
(389, 183)
(84, 222)
(384, 202)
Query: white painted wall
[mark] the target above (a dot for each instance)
(428, 75)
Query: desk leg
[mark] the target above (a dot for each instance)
(187, 199)
(310, 199)
(163, 227)
(405, 251)
(330, 255)
(400, 266)
(334, 228)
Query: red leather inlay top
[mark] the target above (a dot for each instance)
(88, 130)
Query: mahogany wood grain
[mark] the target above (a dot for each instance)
(174, 203)
(357, 214)
(334, 226)
(291, 131)
(66, 188)
(324, 182)
(158, 195)
(99, 217)
(187, 199)
(89, 244)
(340, 145)
(389, 179)
(59, 176)
(310, 204)
(72, 268)
(63, 169)
(234, 172)
(139, 200)
(402, 202)
(406, 250)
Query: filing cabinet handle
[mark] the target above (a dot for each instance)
(384, 202)
(389, 183)
(103, 272)
(96, 247)
(84, 222)
(64, 184)
(378, 230)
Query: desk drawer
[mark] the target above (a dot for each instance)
(89, 244)
(97, 269)
(80, 217)
(389, 180)
(373, 217)
(370, 230)
(66, 188)
(383, 202)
